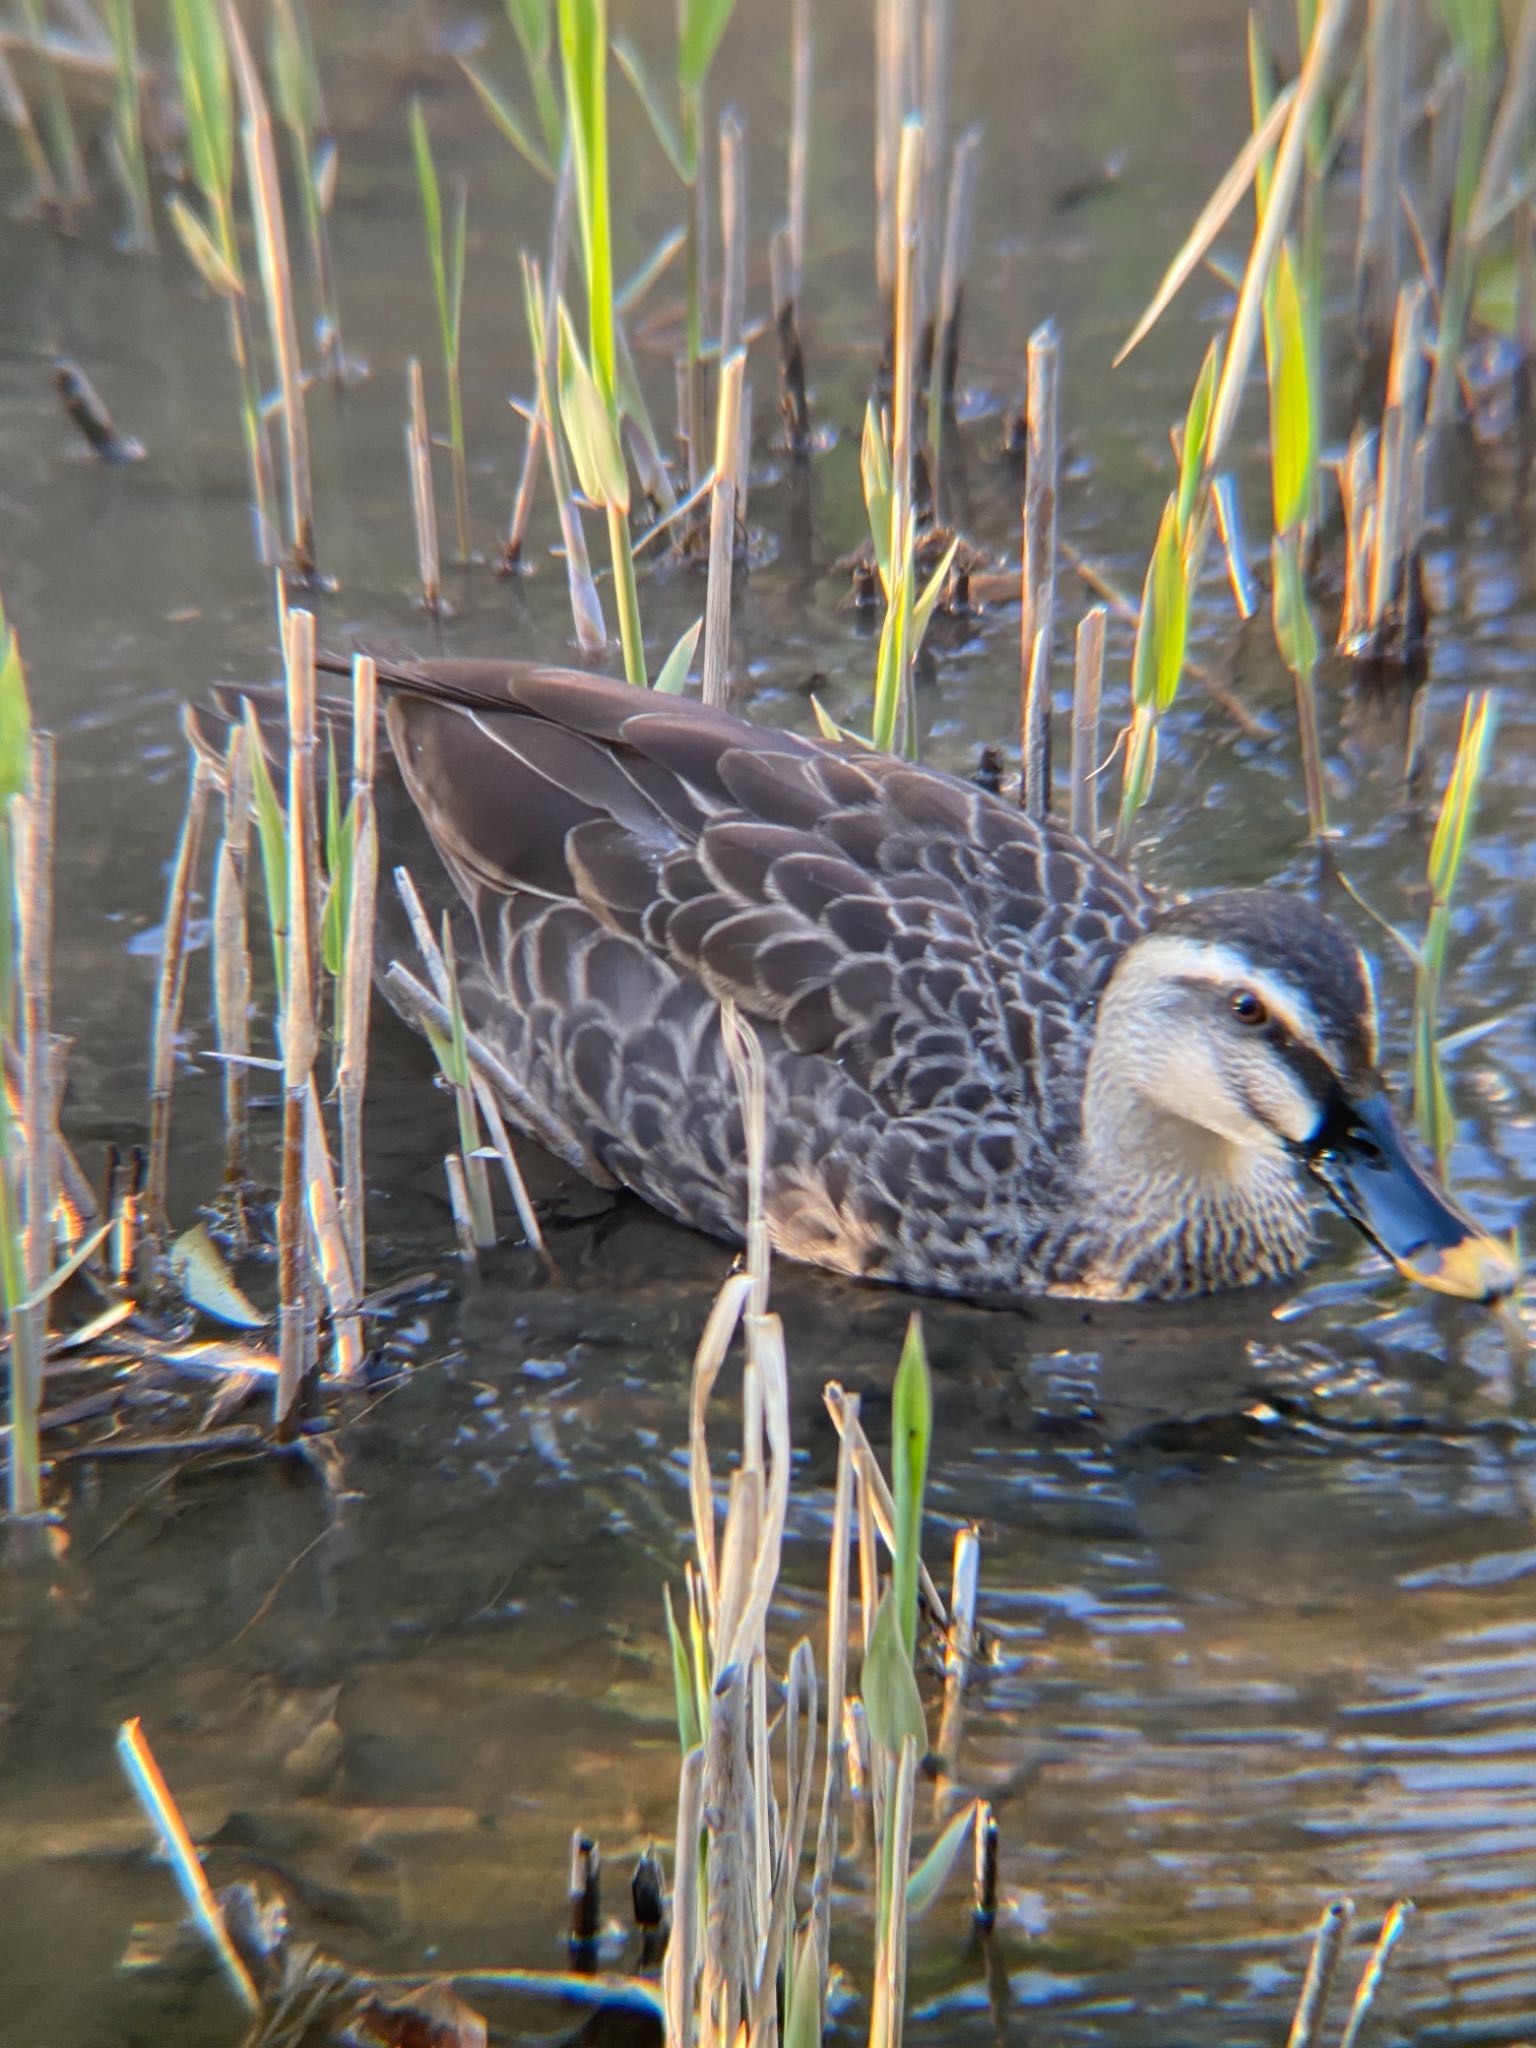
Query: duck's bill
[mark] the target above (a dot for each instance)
(1359, 1155)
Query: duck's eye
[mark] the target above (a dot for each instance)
(1248, 1008)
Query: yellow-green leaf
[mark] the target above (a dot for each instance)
(892, 1702)
(1196, 422)
(1163, 628)
(204, 252)
(1292, 430)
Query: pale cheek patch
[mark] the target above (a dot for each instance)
(1280, 1102)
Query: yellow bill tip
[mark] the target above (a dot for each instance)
(1474, 1269)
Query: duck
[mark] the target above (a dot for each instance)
(996, 1064)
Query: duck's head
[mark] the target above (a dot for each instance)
(1242, 1027)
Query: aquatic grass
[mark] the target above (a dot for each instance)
(533, 24)
(1293, 439)
(210, 238)
(1432, 1103)
(1475, 33)
(446, 259)
(701, 25)
(358, 884)
(128, 127)
(301, 107)
(723, 518)
(70, 185)
(589, 379)
(1037, 626)
(541, 310)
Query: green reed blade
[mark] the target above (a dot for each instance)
(648, 93)
(1197, 423)
(701, 24)
(506, 119)
(911, 1436)
(1292, 425)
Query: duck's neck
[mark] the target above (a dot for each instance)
(1179, 1209)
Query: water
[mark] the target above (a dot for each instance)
(1258, 1590)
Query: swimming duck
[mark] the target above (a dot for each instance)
(997, 1064)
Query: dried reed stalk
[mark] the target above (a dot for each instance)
(1041, 480)
(959, 216)
(733, 234)
(418, 463)
(186, 1865)
(1327, 1947)
(170, 991)
(722, 532)
(297, 1029)
(232, 963)
(277, 289)
(356, 992)
(1087, 688)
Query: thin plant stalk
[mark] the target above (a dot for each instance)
(298, 1033)
(302, 108)
(733, 233)
(128, 126)
(1087, 688)
(722, 533)
(959, 214)
(1322, 1967)
(277, 290)
(357, 963)
(68, 162)
(1037, 628)
(1432, 1103)
(170, 991)
(232, 960)
(1379, 244)
(446, 257)
(211, 240)
(13, 105)
(418, 463)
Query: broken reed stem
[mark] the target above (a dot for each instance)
(1392, 1931)
(1040, 509)
(154, 1796)
(31, 834)
(960, 1646)
(169, 992)
(328, 1242)
(722, 533)
(418, 462)
(733, 234)
(232, 960)
(1087, 688)
(277, 290)
(297, 1029)
(1327, 1947)
(522, 500)
(801, 61)
(357, 965)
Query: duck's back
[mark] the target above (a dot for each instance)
(920, 962)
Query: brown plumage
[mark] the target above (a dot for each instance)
(923, 965)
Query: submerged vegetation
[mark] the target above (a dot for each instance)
(773, 1763)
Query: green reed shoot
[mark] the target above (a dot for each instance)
(301, 107)
(1293, 439)
(446, 259)
(700, 26)
(1476, 37)
(209, 237)
(1432, 1103)
(909, 603)
(128, 127)
(69, 176)
(1162, 626)
(533, 23)
(589, 380)
(542, 318)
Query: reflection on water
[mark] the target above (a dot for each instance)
(1258, 1591)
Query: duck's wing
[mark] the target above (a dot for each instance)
(938, 947)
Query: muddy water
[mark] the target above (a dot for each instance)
(1257, 1573)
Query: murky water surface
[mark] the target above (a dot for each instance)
(1259, 1589)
